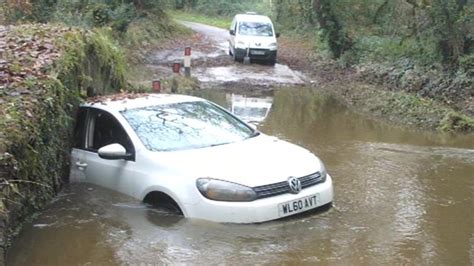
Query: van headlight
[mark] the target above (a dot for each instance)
(220, 190)
(241, 44)
(273, 45)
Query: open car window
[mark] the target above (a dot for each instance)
(104, 129)
(185, 125)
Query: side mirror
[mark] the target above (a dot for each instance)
(231, 32)
(114, 151)
(277, 34)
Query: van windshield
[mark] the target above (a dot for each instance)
(255, 29)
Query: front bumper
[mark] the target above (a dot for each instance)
(257, 211)
(264, 54)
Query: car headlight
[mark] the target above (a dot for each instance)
(273, 45)
(323, 171)
(220, 190)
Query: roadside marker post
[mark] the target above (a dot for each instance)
(176, 67)
(156, 85)
(187, 61)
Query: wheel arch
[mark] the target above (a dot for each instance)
(158, 197)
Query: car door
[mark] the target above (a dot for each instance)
(102, 129)
(78, 166)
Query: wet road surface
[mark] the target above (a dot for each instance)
(401, 197)
(216, 66)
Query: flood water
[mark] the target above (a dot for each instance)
(401, 197)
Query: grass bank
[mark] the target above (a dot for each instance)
(400, 108)
(220, 22)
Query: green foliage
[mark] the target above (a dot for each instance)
(294, 15)
(122, 16)
(466, 64)
(147, 32)
(455, 122)
(37, 112)
(452, 28)
(221, 22)
(223, 8)
(105, 62)
(426, 31)
(100, 15)
(384, 49)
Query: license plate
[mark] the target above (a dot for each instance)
(298, 205)
(257, 52)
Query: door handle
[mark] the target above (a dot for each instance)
(81, 166)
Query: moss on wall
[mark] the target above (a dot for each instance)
(44, 71)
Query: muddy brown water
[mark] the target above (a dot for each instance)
(401, 197)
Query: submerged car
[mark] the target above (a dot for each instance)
(194, 156)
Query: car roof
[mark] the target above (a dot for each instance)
(252, 18)
(123, 101)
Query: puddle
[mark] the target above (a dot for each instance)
(278, 74)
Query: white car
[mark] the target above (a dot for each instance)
(190, 154)
(253, 36)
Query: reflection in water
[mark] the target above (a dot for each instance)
(258, 74)
(401, 197)
(250, 109)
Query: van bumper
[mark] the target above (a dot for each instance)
(263, 54)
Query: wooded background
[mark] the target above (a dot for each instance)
(438, 33)
(427, 31)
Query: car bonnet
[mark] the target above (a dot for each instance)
(253, 162)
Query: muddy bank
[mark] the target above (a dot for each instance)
(399, 93)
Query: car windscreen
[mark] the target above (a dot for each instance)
(186, 125)
(255, 29)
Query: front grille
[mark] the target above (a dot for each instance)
(283, 187)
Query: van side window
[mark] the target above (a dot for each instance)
(104, 129)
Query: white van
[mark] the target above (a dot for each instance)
(253, 36)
